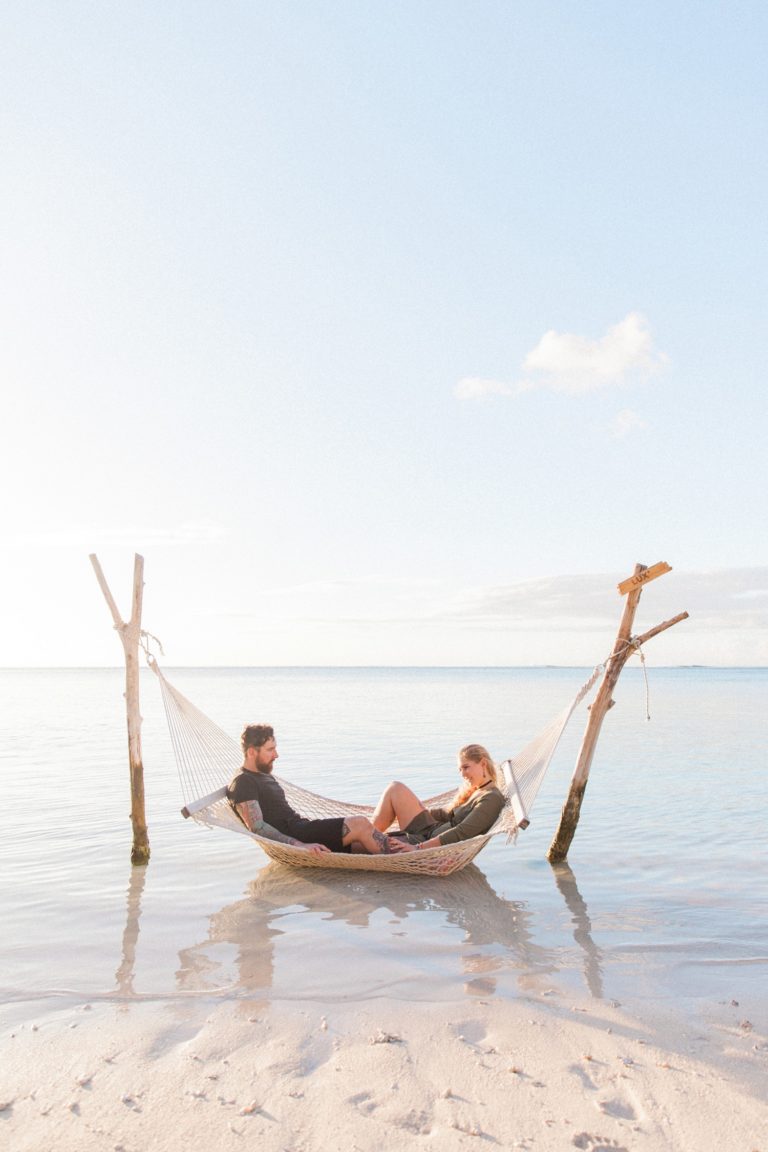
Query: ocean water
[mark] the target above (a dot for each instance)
(663, 900)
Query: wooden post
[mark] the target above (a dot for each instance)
(130, 634)
(622, 650)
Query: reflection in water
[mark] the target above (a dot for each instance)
(501, 928)
(582, 934)
(124, 974)
(498, 934)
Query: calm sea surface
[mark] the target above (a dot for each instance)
(663, 900)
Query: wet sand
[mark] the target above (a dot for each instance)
(536, 1073)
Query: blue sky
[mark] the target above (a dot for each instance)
(387, 332)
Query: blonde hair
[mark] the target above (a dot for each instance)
(476, 753)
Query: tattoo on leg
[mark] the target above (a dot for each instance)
(344, 829)
(382, 842)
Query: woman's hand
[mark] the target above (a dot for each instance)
(397, 845)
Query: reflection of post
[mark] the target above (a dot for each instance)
(124, 974)
(566, 883)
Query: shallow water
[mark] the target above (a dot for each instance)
(663, 899)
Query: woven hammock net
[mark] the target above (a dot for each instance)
(207, 758)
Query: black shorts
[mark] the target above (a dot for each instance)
(328, 832)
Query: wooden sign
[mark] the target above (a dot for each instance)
(644, 577)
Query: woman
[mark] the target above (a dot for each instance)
(473, 810)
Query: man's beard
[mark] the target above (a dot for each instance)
(266, 768)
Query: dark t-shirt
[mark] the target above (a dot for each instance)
(275, 808)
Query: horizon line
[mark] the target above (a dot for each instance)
(348, 667)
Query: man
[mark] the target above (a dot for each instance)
(260, 803)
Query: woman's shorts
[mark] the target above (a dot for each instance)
(419, 829)
(329, 832)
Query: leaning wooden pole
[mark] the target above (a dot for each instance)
(625, 644)
(130, 635)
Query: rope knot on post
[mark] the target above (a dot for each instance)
(144, 639)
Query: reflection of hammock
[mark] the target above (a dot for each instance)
(207, 758)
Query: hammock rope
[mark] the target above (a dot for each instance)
(207, 758)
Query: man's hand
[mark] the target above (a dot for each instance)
(315, 849)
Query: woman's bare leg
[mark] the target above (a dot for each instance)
(397, 802)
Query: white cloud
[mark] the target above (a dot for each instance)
(626, 421)
(729, 598)
(564, 362)
(477, 388)
(720, 598)
(568, 363)
(553, 620)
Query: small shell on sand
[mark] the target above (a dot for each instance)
(467, 1130)
(385, 1038)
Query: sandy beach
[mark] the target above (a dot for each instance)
(537, 1073)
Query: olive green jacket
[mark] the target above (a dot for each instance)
(473, 818)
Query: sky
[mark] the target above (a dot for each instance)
(387, 331)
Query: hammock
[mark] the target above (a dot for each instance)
(207, 758)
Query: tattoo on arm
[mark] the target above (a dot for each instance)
(251, 815)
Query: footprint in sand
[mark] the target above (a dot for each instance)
(471, 1032)
(586, 1080)
(618, 1109)
(591, 1143)
(364, 1102)
(418, 1122)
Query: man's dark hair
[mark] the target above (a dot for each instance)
(254, 735)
